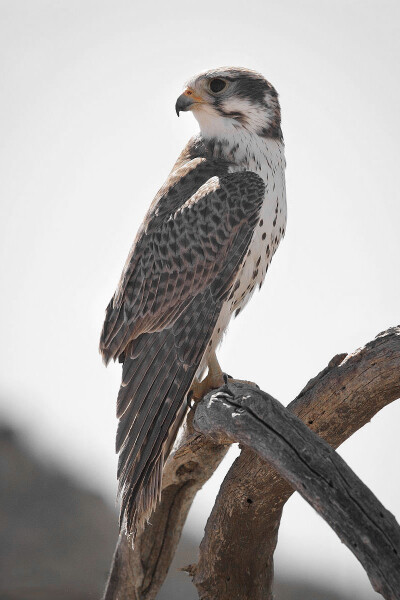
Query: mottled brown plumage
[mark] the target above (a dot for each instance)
(180, 276)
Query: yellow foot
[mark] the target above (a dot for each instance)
(200, 388)
(214, 380)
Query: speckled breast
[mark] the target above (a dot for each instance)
(269, 163)
(267, 159)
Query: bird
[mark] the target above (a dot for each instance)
(205, 244)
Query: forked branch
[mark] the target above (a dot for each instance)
(236, 555)
(314, 469)
(334, 404)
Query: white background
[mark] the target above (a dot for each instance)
(89, 134)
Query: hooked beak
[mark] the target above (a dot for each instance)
(186, 101)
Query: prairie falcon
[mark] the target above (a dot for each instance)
(205, 244)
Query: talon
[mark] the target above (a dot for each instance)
(189, 398)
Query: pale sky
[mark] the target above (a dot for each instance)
(89, 134)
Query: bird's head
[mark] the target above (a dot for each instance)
(228, 99)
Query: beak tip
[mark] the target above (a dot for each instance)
(183, 104)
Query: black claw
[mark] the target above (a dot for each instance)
(189, 398)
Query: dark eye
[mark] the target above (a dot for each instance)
(217, 85)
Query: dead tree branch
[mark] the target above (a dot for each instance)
(314, 469)
(335, 404)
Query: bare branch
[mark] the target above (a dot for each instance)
(313, 468)
(335, 404)
(138, 573)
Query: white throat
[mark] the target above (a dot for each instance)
(212, 125)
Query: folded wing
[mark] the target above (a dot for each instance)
(160, 320)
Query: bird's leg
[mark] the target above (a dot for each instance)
(215, 379)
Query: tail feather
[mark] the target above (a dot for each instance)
(148, 461)
(152, 404)
(131, 448)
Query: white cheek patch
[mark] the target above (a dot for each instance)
(255, 116)
(235, 116)
(235, 104)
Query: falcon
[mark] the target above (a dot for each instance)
(205, 244)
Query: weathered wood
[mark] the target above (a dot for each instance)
(138, 573)
(313, 468)
(335, 404)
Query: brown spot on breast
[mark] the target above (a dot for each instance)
(261, 223)
(258, 261)
(264, 235)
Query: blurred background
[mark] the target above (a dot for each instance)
(89, 134)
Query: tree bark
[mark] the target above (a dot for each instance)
(313, 468)
(236, 554)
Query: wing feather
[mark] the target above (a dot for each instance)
(159, 322)
(212, 205)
